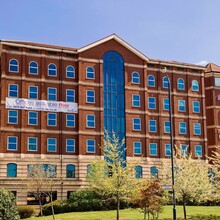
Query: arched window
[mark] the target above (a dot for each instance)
(90, 73)
(11, 170)
(138, 172)
(70, 72)
(151, 80)
(180, 84)
(165, 82)
(195, 85)
(154, 172)
(135, 78)
(52, 70)
(70, 171)
(13, 65)
(33, 67)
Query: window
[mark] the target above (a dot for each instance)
(12, 90)
(11, 170)
(181, 105)
(151, 80)
(51, 170)
(198, 151)
(180, 84)
(12, 116)
(165, 82)
(184, 150)
(32, 118)
(70, 95)
(166, 127)
(137, 146)
(52, 70)
(51, 94)
(197, 128)
(51, 144)
(33, 68)
(182, 127)
(89, 170)
(12, 143)
(51, 119)
(217, 81)
(70, 120)
(70, 171)
(166, 104)
(90, 73)
(135, 78)
(90, 96)
(154, 172)
(136, 100)
(70, 145)
(70, 72)
(90, 121)
(195, 85)
(13, 66)
(137, 124)
(151, 102)
(32, 92)
(153, 149)
(138, 172)
(152, 125)
(196, 106)
(32, 144)
(90, 146)
(168, 150)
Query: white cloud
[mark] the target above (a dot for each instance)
(202, 63)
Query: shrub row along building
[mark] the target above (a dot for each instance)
(116, 88)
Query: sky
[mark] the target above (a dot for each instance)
(181, 30)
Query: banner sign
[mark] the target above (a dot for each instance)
(41, 105)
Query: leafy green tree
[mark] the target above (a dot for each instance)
(8, 209)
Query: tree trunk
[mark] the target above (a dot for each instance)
(145, 213)
(148, 213)
(118, 205)
(40, 206)
(184, 208)
(52, 209)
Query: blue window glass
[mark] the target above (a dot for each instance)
(70, 171)
(165, 82)
(11, 170)
(70, 72)
(51, 170)
(154, 172)
(12, 90)
(166, 104)
(197, 128)
(70, 120)
(138, 172)
(70, 145)
(90, 121)
(33, 68)
(136, 101)
(12, 143)
(181, 105)
(196, 106)
(153, 149)
(135, 78)
(32, 118)
(151, 81)
(51, 119)
(12, 116)
(152, 125)
(137, 146)
(33, 92)
(90, 146)
(184, 150)
(70, 95)
(52, 70)
(180, 84)
(51, 94)
(90, 73)
(90, 96)
(32, 144)
(167, 150)
(51, 144)
(195, 85)
(137, 124)
(166, 127)
(151, 102)
(198, 151)
(182, 127)
(13, 66)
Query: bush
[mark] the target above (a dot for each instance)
(25, 211)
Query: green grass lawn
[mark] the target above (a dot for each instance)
(133, 214)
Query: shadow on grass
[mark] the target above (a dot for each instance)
(199, 217)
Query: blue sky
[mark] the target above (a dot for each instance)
(181, 30)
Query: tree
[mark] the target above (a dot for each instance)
(112, 176)
(8, 209)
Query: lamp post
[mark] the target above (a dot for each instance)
(164, 70)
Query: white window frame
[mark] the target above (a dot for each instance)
(28, 143)
(92, 121)
(29, 92)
